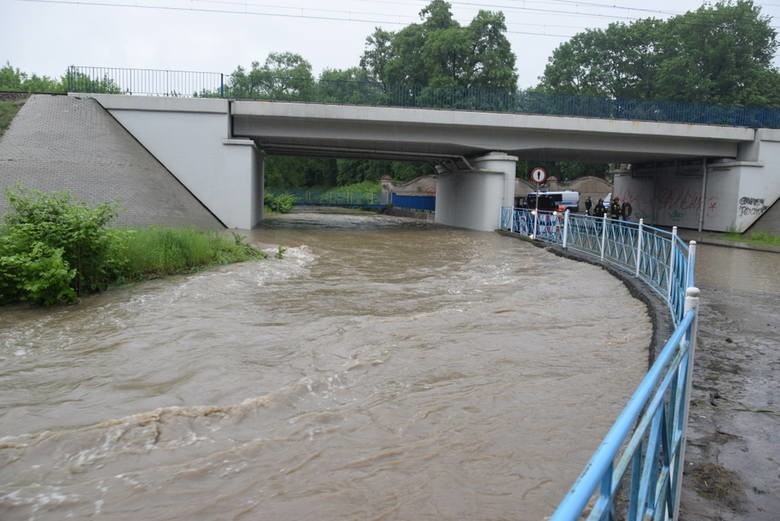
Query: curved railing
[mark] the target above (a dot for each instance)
(636, 472)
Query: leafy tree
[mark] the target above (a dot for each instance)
(15, 80)
(719, 54)
(440, 53)
(350, 86)
(283, 76)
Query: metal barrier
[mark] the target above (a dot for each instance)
(649, 434)
(153, 82)
(335, 198)
(414, 202)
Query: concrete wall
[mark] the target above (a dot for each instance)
(737, 192)
(191, 138)
(72, 145)
(470, 199)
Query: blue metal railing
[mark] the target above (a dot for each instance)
(334, 198)
(153, 82)
(658, 257)
(648, 436)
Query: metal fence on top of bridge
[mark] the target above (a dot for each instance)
(154, 82)
(636, 472)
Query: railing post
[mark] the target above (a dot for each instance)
(536, 222)
(603, 234)
(691, 264)
(565, 227)
(639, 246)
(672, 254)
(691, 304)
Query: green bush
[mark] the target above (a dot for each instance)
(53, 249)
(281, 203)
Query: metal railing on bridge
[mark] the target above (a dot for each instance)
(154, 82)
(636, 472)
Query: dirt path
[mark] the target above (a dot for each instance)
(733, 453)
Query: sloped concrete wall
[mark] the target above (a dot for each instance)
(68, 144)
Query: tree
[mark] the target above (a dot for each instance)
(440, 53)
(283, 76)
(350, 86)
(15, 80)
(719, 54)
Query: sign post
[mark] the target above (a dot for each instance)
(539, 175)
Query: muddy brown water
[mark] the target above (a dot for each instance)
(381, 369)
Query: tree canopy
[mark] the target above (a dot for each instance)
(719, 54)
(439, 52)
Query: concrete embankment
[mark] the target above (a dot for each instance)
(73, 145)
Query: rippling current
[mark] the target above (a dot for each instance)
(382, 369)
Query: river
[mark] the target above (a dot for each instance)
(381, 369)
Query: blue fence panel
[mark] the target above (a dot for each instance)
(415, 202)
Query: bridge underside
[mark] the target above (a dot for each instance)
(215, 147)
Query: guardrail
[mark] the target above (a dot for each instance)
(335, 198)
(648, 436)
(155, 82)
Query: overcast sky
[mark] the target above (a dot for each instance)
(45, 36)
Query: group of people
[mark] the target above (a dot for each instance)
(614, 210)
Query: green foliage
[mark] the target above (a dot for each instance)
(718, 54)
(440, 53)
(280, 203)
(53, 249)
(763, 238)
(61, 224)
(17, 81)
(8, 110)
(154, 252)
(280, 252)
(75, 81)
(284, 76)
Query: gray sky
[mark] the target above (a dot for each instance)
(45, 36)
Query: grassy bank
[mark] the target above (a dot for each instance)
(8, 109)
(762, 238)
(52, 249)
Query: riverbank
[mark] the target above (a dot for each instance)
(733, 449)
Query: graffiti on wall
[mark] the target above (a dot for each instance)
(677, 204)
(751, 206)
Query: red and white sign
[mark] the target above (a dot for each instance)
(539, 174)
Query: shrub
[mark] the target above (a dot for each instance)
(75, 228)
(281, 203)
(53, 249)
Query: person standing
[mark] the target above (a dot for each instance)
(598, 211)
(588, 205)
(614, 208)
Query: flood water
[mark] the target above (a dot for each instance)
(382, 369)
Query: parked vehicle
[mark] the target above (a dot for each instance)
(552, 201)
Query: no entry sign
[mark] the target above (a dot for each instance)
(539, 174)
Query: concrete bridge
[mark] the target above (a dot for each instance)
(714, 177)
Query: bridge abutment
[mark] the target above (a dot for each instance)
(730, 196)
(473, 198)
(190, 137)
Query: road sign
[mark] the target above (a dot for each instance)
(539, 174)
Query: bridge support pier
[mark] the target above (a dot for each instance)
(473, 198)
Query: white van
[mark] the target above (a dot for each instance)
(566, 200)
